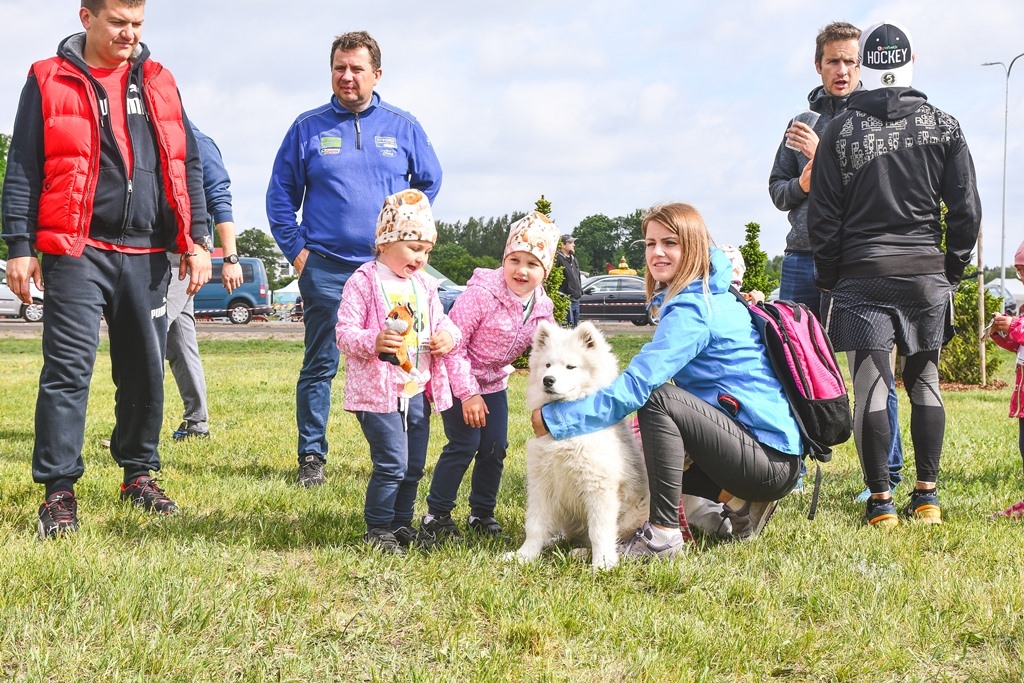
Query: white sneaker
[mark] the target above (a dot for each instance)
(642, 544)
(707, 515)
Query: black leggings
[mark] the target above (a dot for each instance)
(725, 457)
(872, 376)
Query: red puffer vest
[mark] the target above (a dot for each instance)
(71, 143)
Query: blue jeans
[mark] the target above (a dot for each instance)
(320, 285)
(398, 450)
(572, 319)
(896, 444)
(797, 282)
(487, 445)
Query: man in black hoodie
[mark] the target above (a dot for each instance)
(881, 174)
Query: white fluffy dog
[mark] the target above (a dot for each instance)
(591, 490)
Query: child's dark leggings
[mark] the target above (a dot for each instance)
(1020, 438)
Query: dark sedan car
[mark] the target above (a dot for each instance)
(615, 297)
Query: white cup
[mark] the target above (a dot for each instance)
(808, 117)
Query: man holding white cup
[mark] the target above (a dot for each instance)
(837, 60)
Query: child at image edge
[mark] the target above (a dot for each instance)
(391, 404)
(1008, 332)
(497, 314)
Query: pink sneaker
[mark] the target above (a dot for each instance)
(1015, 511)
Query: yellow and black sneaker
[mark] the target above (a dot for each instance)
(881, 513)
(924, 506)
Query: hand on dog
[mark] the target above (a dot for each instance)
(537, 420)
(474, 411)
(441, 343)
(388, 341)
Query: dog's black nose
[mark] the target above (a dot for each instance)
(549, 382)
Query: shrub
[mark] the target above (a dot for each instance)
(959, 360)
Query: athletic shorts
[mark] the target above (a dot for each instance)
(911, 312)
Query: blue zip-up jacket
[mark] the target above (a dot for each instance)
(708, 345)
(338, 166)
(216, 182)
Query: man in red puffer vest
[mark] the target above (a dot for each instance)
(103, 178)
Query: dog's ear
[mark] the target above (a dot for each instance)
(589, 335)
(541, 336)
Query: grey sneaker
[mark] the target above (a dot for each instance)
(750, 521)
(311, 472)
(384, 540)
(642, 545)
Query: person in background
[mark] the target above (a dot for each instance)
(837, 61)
(182, 345)
(337, 163)
(571, 286)
(498, 314)
(392, 403)
(882, 173)
(103, 178)
(1008, 332)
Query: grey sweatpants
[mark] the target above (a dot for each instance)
(726, 457)
(183, 351)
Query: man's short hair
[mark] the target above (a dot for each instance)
(97, 6)
(354, 40)
(837, 30)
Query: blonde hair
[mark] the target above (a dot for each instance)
(694, 242)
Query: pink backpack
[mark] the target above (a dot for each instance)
(805, 364)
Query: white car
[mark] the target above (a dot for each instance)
(12, 307)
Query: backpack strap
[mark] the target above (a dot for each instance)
(818, 452)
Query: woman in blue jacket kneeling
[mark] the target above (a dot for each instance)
(708, 400)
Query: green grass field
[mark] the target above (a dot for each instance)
(258, 580)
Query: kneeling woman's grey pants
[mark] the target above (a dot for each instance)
(725, 456)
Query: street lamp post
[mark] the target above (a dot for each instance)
(1006, 121)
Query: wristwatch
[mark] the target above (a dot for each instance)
(206, 242)
(231, 258)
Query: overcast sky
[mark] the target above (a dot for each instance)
(604, 107)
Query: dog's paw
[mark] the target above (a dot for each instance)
(515, 557)
(606, 562)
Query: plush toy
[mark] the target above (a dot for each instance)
(400, 319)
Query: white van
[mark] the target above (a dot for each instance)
(12, 307)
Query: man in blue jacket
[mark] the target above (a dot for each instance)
(338, 163)
(182, 345)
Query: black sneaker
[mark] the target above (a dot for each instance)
(311, 472)
(384, 540)
(58, 516)
(147, 495)
(410, 537)
(184, 431)
(441, 527)
(487, 526)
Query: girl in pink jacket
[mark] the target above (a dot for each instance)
(1008, 332)
(391, 403)
(498, 314)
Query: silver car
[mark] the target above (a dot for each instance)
(12, 307)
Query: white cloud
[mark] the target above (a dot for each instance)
(604, 107)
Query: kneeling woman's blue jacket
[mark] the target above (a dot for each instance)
(707, 344)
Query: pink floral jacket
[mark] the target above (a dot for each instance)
(370, 383)
(493, 333)
(1012, 341)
